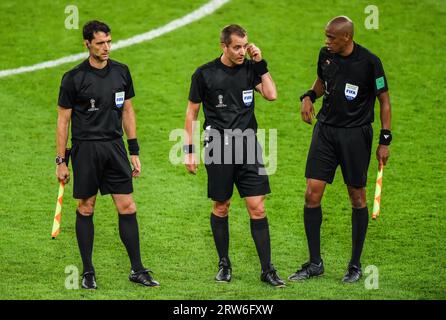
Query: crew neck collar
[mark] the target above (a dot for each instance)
(237, 66)
(353, 54)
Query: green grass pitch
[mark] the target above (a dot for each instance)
(406, 243)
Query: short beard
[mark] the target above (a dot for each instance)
(99, 58)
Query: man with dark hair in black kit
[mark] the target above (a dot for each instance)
(96, 97)
(225, 87)
(350, 78)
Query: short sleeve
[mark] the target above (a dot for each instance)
(196, 91)
(379, 77)
(319, 65)
(67, 92)
(257, 80)
(129, 90)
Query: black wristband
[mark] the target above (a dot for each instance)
(385, 137)
(261, 67)
(189, 148)
(133, 147)
(310, 93)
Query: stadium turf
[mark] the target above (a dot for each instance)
(405, 243)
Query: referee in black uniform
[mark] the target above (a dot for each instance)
(350, 78)
(96, 97)
(225, 87)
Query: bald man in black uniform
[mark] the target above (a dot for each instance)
(350, 78)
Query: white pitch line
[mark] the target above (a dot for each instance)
(201, 12)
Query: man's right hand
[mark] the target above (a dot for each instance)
(62, 173)
(307, 110)
(191, 163)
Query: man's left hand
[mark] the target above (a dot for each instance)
(136, 164)
(254, 53)
(382, 154)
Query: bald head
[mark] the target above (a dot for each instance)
(339, 35)
(341, 24)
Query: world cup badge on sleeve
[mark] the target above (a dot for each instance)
(248, 97)
(119, 99)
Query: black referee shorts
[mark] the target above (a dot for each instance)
(348, 147)
(100, 165)
(240, 164)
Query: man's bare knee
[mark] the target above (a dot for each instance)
(221, 209)
(314, 193)
(86, 207)
(257, 211)
(312, 198)
(124, 203)
(127, 207)
(357, 197)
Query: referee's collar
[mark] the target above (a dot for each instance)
(221, 64)
(353, 54)
(100, 72)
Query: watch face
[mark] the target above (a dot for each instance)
(59, 160)
(188, 149)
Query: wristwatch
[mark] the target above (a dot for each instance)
(60, 160)
(188, 148)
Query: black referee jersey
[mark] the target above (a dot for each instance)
(97, 99)
(227, 94)
(351, 86)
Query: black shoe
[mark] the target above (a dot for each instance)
(89, 280)
(224, 271)
(270, 276)
(308, 270)
(353, 274)
(143, 277)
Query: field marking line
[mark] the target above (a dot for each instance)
(205, 10)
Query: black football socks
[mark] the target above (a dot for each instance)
(220, 231)
(360, 221)
(85, 237)
(128, 231)
(313, 221)
(260, 234)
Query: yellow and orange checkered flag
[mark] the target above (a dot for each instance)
(58, 211)
(378, 188)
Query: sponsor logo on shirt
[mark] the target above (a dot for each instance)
(248, 97)
(351, 91)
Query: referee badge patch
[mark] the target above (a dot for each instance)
(119, 99)
(351, 91)
(248, 97)
(380, 83)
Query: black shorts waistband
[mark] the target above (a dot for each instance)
(95, 140)
(336, 127)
